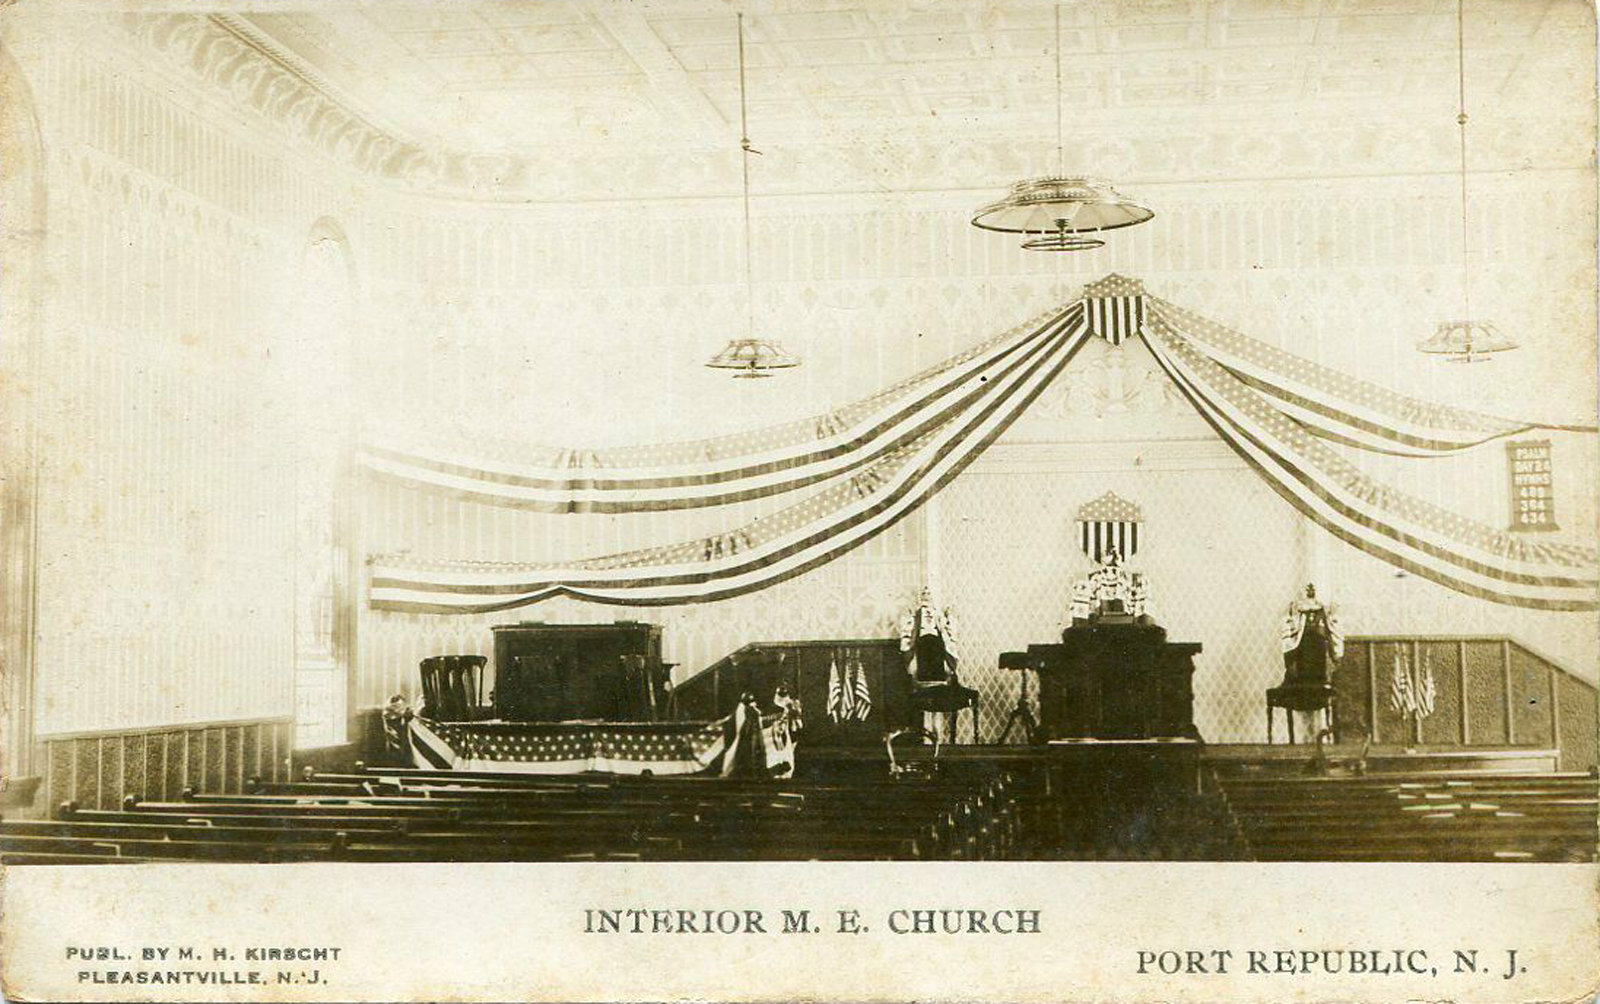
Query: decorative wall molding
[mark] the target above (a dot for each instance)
(1100, 456)
(223, 57)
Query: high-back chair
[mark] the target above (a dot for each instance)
(938, 691)
(452, 686)
(1307, 694)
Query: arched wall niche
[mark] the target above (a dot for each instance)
(22, 235)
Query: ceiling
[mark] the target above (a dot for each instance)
(519, 76)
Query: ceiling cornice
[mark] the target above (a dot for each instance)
(223, 51)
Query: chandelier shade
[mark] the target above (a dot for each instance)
(753, 358)
(1465, 341)
(1060, 206)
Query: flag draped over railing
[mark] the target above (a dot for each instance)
(859, 469)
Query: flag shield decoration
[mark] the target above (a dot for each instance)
(1109, 522)
(1114, 308)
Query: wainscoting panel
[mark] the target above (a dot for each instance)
(96, 771)
(1577, 714)
(1482, 684)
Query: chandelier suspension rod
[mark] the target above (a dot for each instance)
(744, 162)
(1061, 168)
(1461, 122)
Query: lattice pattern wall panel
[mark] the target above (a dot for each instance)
(1222, 554)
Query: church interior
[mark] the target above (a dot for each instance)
(780, 430)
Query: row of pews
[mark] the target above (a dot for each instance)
(411, 815)
(1417, 816)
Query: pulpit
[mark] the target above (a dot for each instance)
(1116, 677)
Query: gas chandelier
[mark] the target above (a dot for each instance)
(750, 356)
(1464, 341)
(1058, 210)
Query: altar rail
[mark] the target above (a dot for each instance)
(1490, 690)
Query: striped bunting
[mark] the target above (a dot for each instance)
(1445, 547)
(790, 542)
(567, 748)
(721, 471)
(1341, 408)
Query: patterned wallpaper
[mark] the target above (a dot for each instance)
(165, 585)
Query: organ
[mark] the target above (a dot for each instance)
(558, 672)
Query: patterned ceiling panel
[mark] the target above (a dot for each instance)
(519, 75)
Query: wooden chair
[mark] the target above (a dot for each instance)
(1304, 697)
(946, 697)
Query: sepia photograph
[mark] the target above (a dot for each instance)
(1015, 473)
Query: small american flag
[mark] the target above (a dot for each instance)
(1401, 698)
(841, 695)
(1411, 688)
(862, 695)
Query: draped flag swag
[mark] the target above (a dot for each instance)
(729, 469)
(865, 466)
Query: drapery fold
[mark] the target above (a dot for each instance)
(857, 470)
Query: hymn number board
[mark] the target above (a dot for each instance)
(1532, 498)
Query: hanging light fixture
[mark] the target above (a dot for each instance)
(750, 356)
(1058, 210)
(1464, 341)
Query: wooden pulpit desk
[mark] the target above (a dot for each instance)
(1116, 677)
